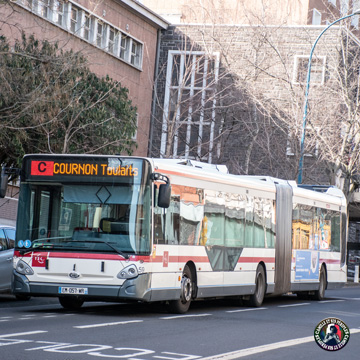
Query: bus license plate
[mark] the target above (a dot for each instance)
(73, 290)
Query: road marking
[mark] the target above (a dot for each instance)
(292, 305)
(342, 313)
(23, 333)
(107, 324)
(329, 301)
(183, 316)
(51, 345)
(186, 356)
(263, 348)
(250, 309)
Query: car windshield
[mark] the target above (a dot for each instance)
(84, 217)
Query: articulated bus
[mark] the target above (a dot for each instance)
(116, 228)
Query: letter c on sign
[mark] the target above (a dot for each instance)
(42, 166)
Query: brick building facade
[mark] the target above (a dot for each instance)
(119, 38)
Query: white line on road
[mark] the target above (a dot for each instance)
(183, 316)
(342, 313)
(107, 324)
(292, 305)
(242, 310)
(23, 333)
(329, 301)
(263, 348)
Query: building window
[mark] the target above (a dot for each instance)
(124, 47)
(316, 19)
(190, 106)
(135, 54)
(74, 20)
(317, 74)
(99, 34)
(59, 12)
(44, 8)
(87, 27)
(111, 44)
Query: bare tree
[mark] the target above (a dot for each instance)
(260, 94)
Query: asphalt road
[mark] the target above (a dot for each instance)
(283, 328)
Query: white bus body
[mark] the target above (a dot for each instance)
(221, 235)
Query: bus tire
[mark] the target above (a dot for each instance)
(71, 302)
(182, 305)
(320, 293)
(257, 298)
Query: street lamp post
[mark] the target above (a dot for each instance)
(357, 12)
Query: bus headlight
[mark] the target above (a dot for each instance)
(128, 272)
(23, 268)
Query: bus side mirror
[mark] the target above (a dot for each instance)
(164, 196)
(3, 183)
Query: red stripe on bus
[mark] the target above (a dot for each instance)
(156, 259)
(330, 261)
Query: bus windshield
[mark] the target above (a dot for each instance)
(95, 216)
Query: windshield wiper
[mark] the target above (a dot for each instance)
(43, 247)
(126, 256)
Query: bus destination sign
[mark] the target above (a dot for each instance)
(77, 168)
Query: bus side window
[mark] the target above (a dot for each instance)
(166, 223)
(158, 226)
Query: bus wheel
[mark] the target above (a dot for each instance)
(71, 303)
(257, 298)
(182, 305)
(320, 293)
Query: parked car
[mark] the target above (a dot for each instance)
(7, 243)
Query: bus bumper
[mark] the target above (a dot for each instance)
(132, 289)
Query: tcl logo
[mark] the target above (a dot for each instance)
(45, 168)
